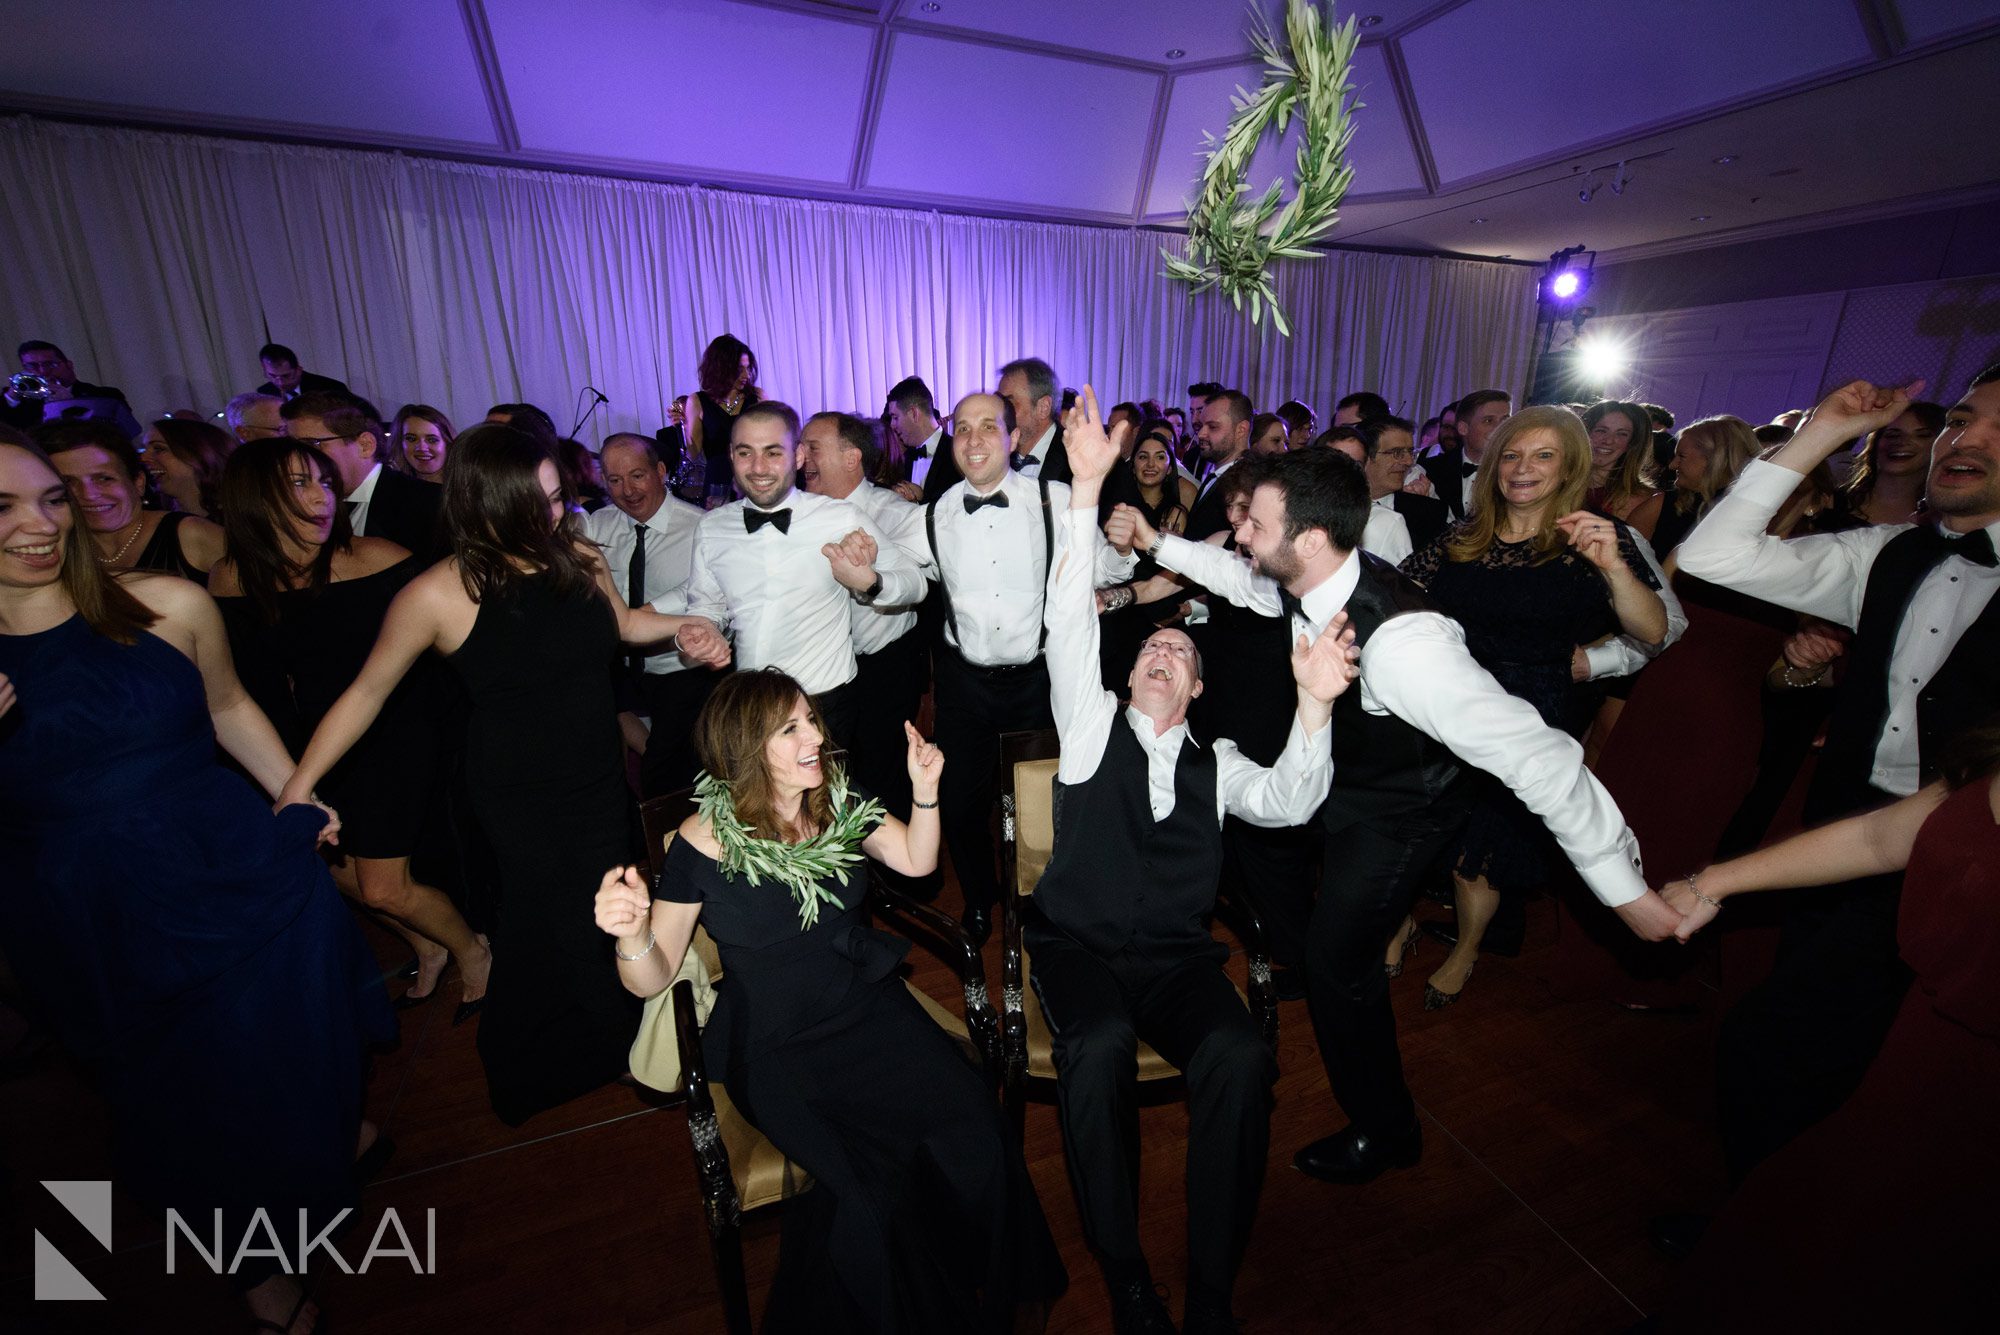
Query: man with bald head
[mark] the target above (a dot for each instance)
(647, 536)
(1117, 935)
(988, 536)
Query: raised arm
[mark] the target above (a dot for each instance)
(1641, 612)
(650, 935)
(1215, 568)
(1622, 655)
(1084, 711)
(912, 849)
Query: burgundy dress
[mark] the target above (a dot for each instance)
(1881, 1217)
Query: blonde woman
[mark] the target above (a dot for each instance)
(1531, 576)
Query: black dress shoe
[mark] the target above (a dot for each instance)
(1138, 1309)
(1353, 1157)
(1676, 1235)
(1203, 1320)
(1447, 932)
(1288, 984)
(979, 924)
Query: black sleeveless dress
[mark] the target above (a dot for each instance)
(922, 1217)
(545, 768)
(162, 553)
(385, 786)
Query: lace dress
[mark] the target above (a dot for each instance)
(1523, 620)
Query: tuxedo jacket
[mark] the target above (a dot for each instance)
(405, 511)
(1209, 514)
(310, 384)
(943, 472)
(1447, 473)
(1427, 517)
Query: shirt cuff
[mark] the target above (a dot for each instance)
(1766, 483)
(1617, 878)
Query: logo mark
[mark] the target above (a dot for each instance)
(56, 1279)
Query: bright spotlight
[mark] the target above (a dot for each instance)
(1601, 361)
(1564, 285)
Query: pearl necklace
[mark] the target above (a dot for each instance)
(138, 526)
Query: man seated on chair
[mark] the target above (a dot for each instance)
(1117, 937)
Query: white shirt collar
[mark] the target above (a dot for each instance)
(784, 502)
(933, 440)
(1142, 726)
(1320, 604)
(365, 492)
(1041, 450)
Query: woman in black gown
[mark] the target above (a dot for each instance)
(184, 942)
(728, 375)
(525, 613)
(922, 1214)
(304, 599)
(1532, 577)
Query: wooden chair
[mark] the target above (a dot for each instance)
(738, 1169)
(1028, 763)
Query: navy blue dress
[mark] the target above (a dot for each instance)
(186, 945)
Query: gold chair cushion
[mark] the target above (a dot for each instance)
(1042, 1045)
(762, 1175)
(1034, 821)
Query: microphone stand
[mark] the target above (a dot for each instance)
(597, 401)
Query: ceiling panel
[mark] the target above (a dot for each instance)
(399, 68)
(1383, 160)
(986, 123)
(695, 83)
(1139, 29)
(1497, 83)
(1928, 20)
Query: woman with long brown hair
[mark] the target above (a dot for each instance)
(925, 1217)
(1621, 464)
(185, 460)
(107, 486)
(1532, 576)
(183, 941)
(728, 385)
(525, 613)
(420, 442)
(1886, 483)
(304, 600)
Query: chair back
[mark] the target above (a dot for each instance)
(661, 819)
(1028, 762)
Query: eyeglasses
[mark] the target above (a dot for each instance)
(319, 442)
(1406, 452)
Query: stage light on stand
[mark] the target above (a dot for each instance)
(1564, 285)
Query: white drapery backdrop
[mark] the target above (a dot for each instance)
(161, 262)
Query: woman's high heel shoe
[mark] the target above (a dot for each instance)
(1435, 1000)
(1409, 946)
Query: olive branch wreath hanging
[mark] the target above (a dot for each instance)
(1308, 77)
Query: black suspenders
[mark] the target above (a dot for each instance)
(944, 586)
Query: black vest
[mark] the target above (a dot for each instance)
(1382, 766)
(1963, 693)
(1119, 880)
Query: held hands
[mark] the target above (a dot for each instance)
(909, 491)
(624, 908)
(925, 762)
(291, 797)
(1652, 918)
(853, 560)
(1129, 523)
(1324, 668)
(1811, 649)
(702, 644)
(1092, 454)
(1695, 913)
(1595, 539)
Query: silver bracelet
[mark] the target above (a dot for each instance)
(1695, 890)
(650, 940)
(923, 806)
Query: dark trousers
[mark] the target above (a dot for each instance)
(840, 710)
(889, 684)
(974, 706)
(1369, 879)
(672, 700)
(1275, 872)
(1796, 1046)
(1098, 1010)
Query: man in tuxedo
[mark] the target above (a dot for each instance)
(285, 379)
(781, 568)
(1921, 601)
(1359, 407)
(52, 364)
(1030, 390)
(647, 537)
(1223, 429)
(1451, 468)
(1425, 714)
(381, 502)
(1116, 930)
(1389, 446)
(927, 458)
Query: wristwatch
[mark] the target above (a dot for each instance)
(1153, 548)
(869, 594)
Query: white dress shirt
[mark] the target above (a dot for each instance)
(1826, 575)
(1283, 795)
(1031, 463)
(879, 624)
(1622, 655)
(1215, 476)
(776, 592)
(1388, 533)
(920, 468)
(994, 568)
(669, 534)
(1416, 667)
(357, 501)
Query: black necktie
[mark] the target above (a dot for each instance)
(1976, 546)
(1291, 607)
(1019, 461)
(635, 586)
(973, 503)
(756, 519)
(354, 517)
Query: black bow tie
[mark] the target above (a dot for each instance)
(1469, 467)
(972, 503)
(1019, 461)
(756, 519)
(1290, 606)
(1976, 546)
(917, 451)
